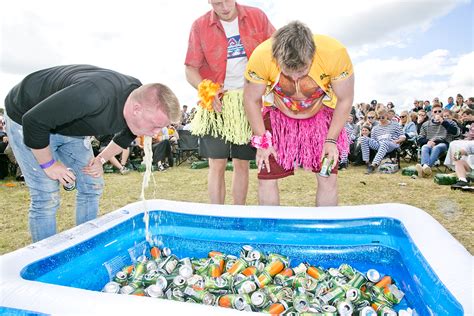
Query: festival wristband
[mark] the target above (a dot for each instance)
(101, 159)
(331, 140)
(264, 141)
(47, 164)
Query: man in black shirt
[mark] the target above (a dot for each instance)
(49, 116)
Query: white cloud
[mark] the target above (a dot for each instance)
(436, 74)
(148, 38)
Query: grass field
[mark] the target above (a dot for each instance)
(450, 208)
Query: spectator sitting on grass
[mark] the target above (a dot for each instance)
(121, 166)
(385, 138)
(467, 119)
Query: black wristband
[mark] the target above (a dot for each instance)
(330, 140)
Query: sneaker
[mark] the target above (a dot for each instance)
(427, 171)
(370, 169)
(160, 167)
(419, 170)
(124, 170)
(343, 166)
(461, 183)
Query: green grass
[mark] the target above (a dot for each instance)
(450, 208)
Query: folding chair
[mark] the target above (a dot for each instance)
(188, 146)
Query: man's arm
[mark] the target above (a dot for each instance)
(192, 76)
(253, 93)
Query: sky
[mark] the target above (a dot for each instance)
(401, 50)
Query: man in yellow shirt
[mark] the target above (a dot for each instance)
(306, 83)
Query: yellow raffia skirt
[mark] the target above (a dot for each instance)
(231, 123)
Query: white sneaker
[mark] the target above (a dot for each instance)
(124, 170)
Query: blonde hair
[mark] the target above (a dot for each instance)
(293, 46)
(160, 96)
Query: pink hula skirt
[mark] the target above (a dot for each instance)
(302, 141)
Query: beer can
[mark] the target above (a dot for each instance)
(169, 264)
(259, 299)
(245, 251)
(236, 301)
(333, 294)
(249, 271)
(138, 271)
(373, 275)
(128, 289)
(328, 309)
(276, 308)
(274, 267)
(214, 253)
(263, 279)
(245, 286)
(162, 282)
(346, 270)
(457, 155)
(274, 256)
(238, 266)
(166, 251)
(256, 255)
(154, 291)
(326, 168)
(151, 265)
(155, 253)
(300, 301)
(357, 280)
(185, 271)
(121, 278)
(69, 186)
(316, 273)
(150, 277)
(367, 311)
(344, 308)
(301, 268)
(111, 287)
(356, 295)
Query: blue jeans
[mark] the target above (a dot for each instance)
(429, 155)
(74, 153)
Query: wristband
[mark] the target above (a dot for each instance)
(264, 141)
(101, 159)
(47, 164)
(331, 140)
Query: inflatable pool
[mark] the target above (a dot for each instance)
(65, 273)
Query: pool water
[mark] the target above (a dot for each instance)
(380, 243)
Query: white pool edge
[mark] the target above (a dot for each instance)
(448, 258)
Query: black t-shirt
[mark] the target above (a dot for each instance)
(73, 100)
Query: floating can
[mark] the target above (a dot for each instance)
(139, 271)
(356, 295)
(200, 296)
(216, 283)
(316, 273)
(333, 294)
(128, 289)
(256, 255)
(373, 275)
(301, 268)
(252, 270)
(245, 287)
(357, 280)
(238, 266)
(276, 308)
(300, 301)
(263, 279)
(169, 264)
(155, 253)
(111, 287)
(185, 271)
(274, 267)
(166, 251)
(245, 251)
(344, 308)
(347, 270)
(236, 301)
(121, 278)
(259, 299)
(367, 311)
(154, 291)
(214, 253)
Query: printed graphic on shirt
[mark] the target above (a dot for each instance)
(235, 48)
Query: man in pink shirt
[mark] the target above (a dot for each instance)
(220, 44)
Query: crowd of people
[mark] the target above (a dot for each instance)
(429, 134)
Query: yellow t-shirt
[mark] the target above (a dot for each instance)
(330, 63)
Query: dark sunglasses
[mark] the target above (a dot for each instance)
(403, 116)
(370, 117)
(435, 112)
